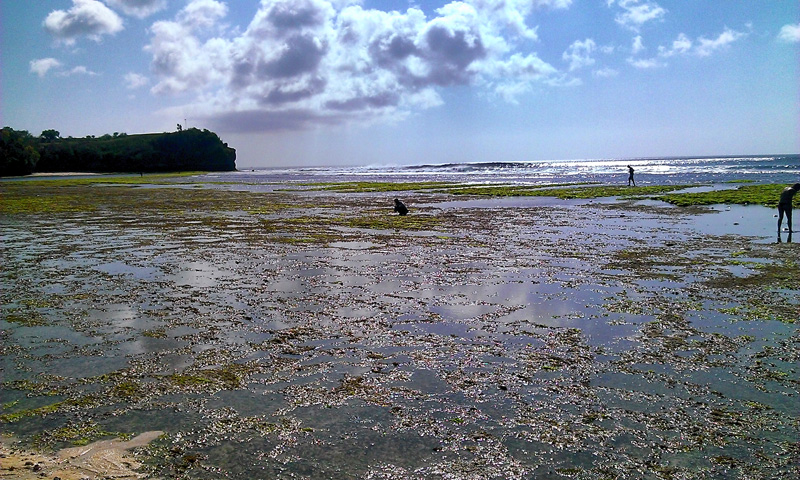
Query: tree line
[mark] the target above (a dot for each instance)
(185, 150)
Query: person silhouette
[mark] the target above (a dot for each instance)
(400, 207)
(630, 176)
(785, 205)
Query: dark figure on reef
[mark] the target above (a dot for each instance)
(630, 176)
(400, 207)
(785, 205)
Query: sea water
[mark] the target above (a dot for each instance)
(648, 171)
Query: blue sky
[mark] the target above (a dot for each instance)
(321, 82)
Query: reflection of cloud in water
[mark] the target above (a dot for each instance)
(198, 274)
(121, 268)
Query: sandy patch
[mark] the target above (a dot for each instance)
(62, 174)
(103, 459)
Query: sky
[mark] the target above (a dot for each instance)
(384, 82)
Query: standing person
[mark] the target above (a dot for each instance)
(785, 205)
(630, 176)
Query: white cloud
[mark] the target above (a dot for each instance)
(513, 14)
(135, 80)
(680, 45)
(43, 65)
(89, 18)
(790, 33)
(684, 46)
(646, 63)
(605, 72)
(79, 70)
(202, 13)
(138, 8)
(638, 45)
(579, 54)
(182, 59)
(301, 63)
(702, 47)
(636, 12)
(707, 46)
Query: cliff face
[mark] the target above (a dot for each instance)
(188, 150)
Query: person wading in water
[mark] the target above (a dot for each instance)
(785, 205)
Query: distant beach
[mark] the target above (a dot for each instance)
(61, 174)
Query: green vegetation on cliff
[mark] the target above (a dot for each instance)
(18, 155)
(187, 150)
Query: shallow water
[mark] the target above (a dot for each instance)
(544, 340)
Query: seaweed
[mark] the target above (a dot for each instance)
(75, 434)
(762, 194)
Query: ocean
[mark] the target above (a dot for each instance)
(648, 171)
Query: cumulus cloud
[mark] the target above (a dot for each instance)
(79, 70)
(638, 45)
(708, 46)
(579, 54)
(636, 13)
(790, 33)
(605, 72)
(680, 45)
(43, 65)
(135, 80)
(138, 8)
(684, 46)
(301, 63)
(89, 18)
(202, 14)
(702, 47)
(181, 57)
(646, 63)
(512, 14)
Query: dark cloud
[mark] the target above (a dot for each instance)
(254, 121)
(383, 100)
(138, 8)
(243, 68)
(302, 54)
(392, 48)
(451, 53)
(281, 96)
(290, 16)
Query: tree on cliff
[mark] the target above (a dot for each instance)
(50, 135)
(18, 155)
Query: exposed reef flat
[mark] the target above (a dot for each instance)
(311, 333)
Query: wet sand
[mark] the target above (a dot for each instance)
(317, 335)
(101, 459)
